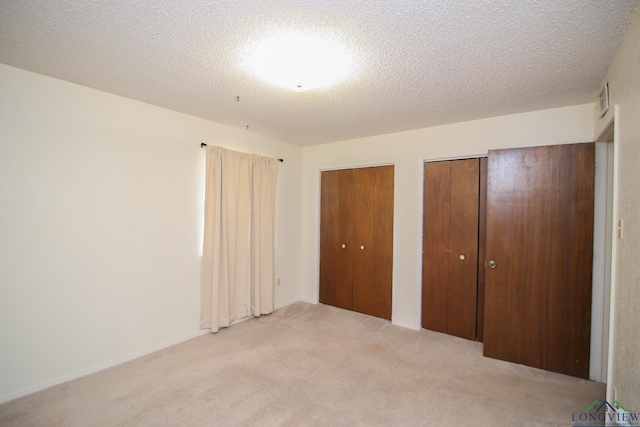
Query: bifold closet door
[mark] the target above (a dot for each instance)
(356, 239)
(336, 238)
(373, 241)
(539, 255)
(450, 247)
(482, 245)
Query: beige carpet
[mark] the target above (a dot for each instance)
(311, 365)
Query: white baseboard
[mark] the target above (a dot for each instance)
(99, 367)
(286, 303)
(406, 325)
(120, 360)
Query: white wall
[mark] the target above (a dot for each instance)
(624, 85)
(408, 150)
(100, 227)
(100, 217)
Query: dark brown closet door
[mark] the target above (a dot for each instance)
(463, 254)
(450, 247)
(540, 237)
(336, 238)
(373, 241)
(482, 244)
(435, 246)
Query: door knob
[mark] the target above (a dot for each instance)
(492, 264)
(344, 246)
(361, 246)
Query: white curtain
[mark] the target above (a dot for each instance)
(239, 226)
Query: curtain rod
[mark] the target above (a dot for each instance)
(202, 145)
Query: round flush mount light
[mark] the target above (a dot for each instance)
(299, 61)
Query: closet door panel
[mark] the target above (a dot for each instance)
(336, 231)
(482, 241)
(463, 249)
(364, 188)
(383, 236)
(373, 241)
(540, 235)
(435, 246)
(450, 247)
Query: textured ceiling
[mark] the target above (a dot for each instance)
(420, 63)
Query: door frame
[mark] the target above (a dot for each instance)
(601, 285)
(540, 212)
(436, 157)
(357, 165)
(601, 346)
(450, 309)
(603, 317)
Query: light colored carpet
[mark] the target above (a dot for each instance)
(311, 365)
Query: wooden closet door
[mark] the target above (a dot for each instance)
(482, 245)
(336, 238)
(463, 253)
(373, 241)
(540, 236)
(450, 247)
(435, 246)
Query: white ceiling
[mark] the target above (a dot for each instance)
(421, 63)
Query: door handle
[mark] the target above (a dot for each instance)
(492, 264)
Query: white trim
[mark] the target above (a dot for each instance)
(408, 326)
(600, 225)
(419, 237)
(357, 165)
(287, 303)
(454, 155)
(437, 157)
(121, 360)
(100, 367)
(614, 256)
(394, 267)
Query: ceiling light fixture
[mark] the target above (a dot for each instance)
(299, 61)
